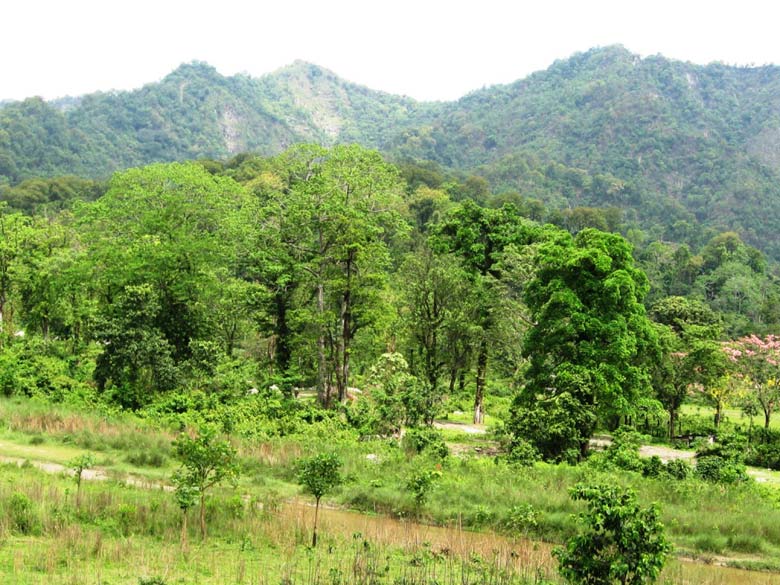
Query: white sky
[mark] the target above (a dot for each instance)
(427, 49)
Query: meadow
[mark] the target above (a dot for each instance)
(481, 521)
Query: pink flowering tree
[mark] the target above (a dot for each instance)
(756, 361)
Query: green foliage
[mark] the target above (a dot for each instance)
(206, 461)
(425, 440)
(421, 482)
(679, 469)
(619, 541)
(622, 453)
(553, 428)
(591, 341)
(319, 474)
(22, 515)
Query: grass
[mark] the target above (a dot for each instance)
(126, 535)
(740, 523)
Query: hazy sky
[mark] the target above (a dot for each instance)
(424, 49)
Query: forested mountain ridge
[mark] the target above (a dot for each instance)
(688, 143)
(194, 112)
(677, 147)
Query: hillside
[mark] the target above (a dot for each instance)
(684, 150)
(194, 112)
(689, 143)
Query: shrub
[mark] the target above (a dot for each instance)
(522, 453)
(420, 483)
(653, 467)
(678, 469)
(620, 542)
(717, 469)
(520, 520)
(425, 440)
(22, 515)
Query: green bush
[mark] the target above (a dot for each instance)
(678, 469)
(717, 469)
(22, 514)
(425, 440)
(619, 542)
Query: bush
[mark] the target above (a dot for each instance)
(146, 459)
(766, 455)
(420, 483)
(521, 520)
(622, 453)
(22, 515)
(678, 469)
(425, 440)
(522, 453)
(653, 467)
(717, 469)
(619, 542)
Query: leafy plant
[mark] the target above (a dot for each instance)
(318, 475)
(619, 542)
(207, 460)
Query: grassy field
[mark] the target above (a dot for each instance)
(494, 521)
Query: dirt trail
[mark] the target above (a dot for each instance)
(462, 427)
(94, 474)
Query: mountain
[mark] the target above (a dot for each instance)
(680, 148)
(194, 112)
(686, 143)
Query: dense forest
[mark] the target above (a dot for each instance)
(331, 269)
(286, 278)
(685, 151)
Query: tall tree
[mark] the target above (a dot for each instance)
(479, 236)
(167, 231)
(756, 360)
(591, 338)
(341, 208)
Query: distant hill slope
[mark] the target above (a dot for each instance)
(676, 145)
(692, 143)
(195, 112)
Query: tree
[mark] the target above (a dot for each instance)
(479, 236)
(682, 325)
(619, 542)
(435, 307)
(341, 208)
(186, 496)
(591, 337)
(709, 374)
(171, 227)
(398, 396)
(136, 360)
(756, 360)
(206, 461)
(318, 475)
(16, 235)
(78, 465)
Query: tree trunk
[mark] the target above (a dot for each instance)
(322, 366)
(345, 335)
(183, 537)
(282, 332)
(767, 416)
(672, 421)
(482, 358)
(718, 408)
(316, 515)
(202, 515)
(342, 376)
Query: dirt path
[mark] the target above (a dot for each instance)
(462, 427)
(94, 474)
(666, 454)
